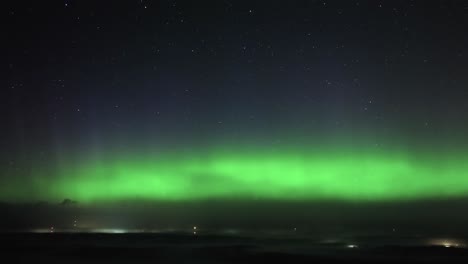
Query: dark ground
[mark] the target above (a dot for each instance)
(188, 248)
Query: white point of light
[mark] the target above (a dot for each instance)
(448, 243)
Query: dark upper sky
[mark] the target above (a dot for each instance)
(82, 75)
(84, 69)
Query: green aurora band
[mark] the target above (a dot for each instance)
(285, 174)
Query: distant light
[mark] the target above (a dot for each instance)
(447, 243)
(194, 232)
(194, 228)
(110, 231)
(352, 246)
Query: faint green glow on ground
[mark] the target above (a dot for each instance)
(246, 174)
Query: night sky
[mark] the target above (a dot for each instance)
(182, 101)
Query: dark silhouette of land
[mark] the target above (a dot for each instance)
(188, 248)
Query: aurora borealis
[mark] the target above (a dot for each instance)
(290, 101)
(283, 174)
